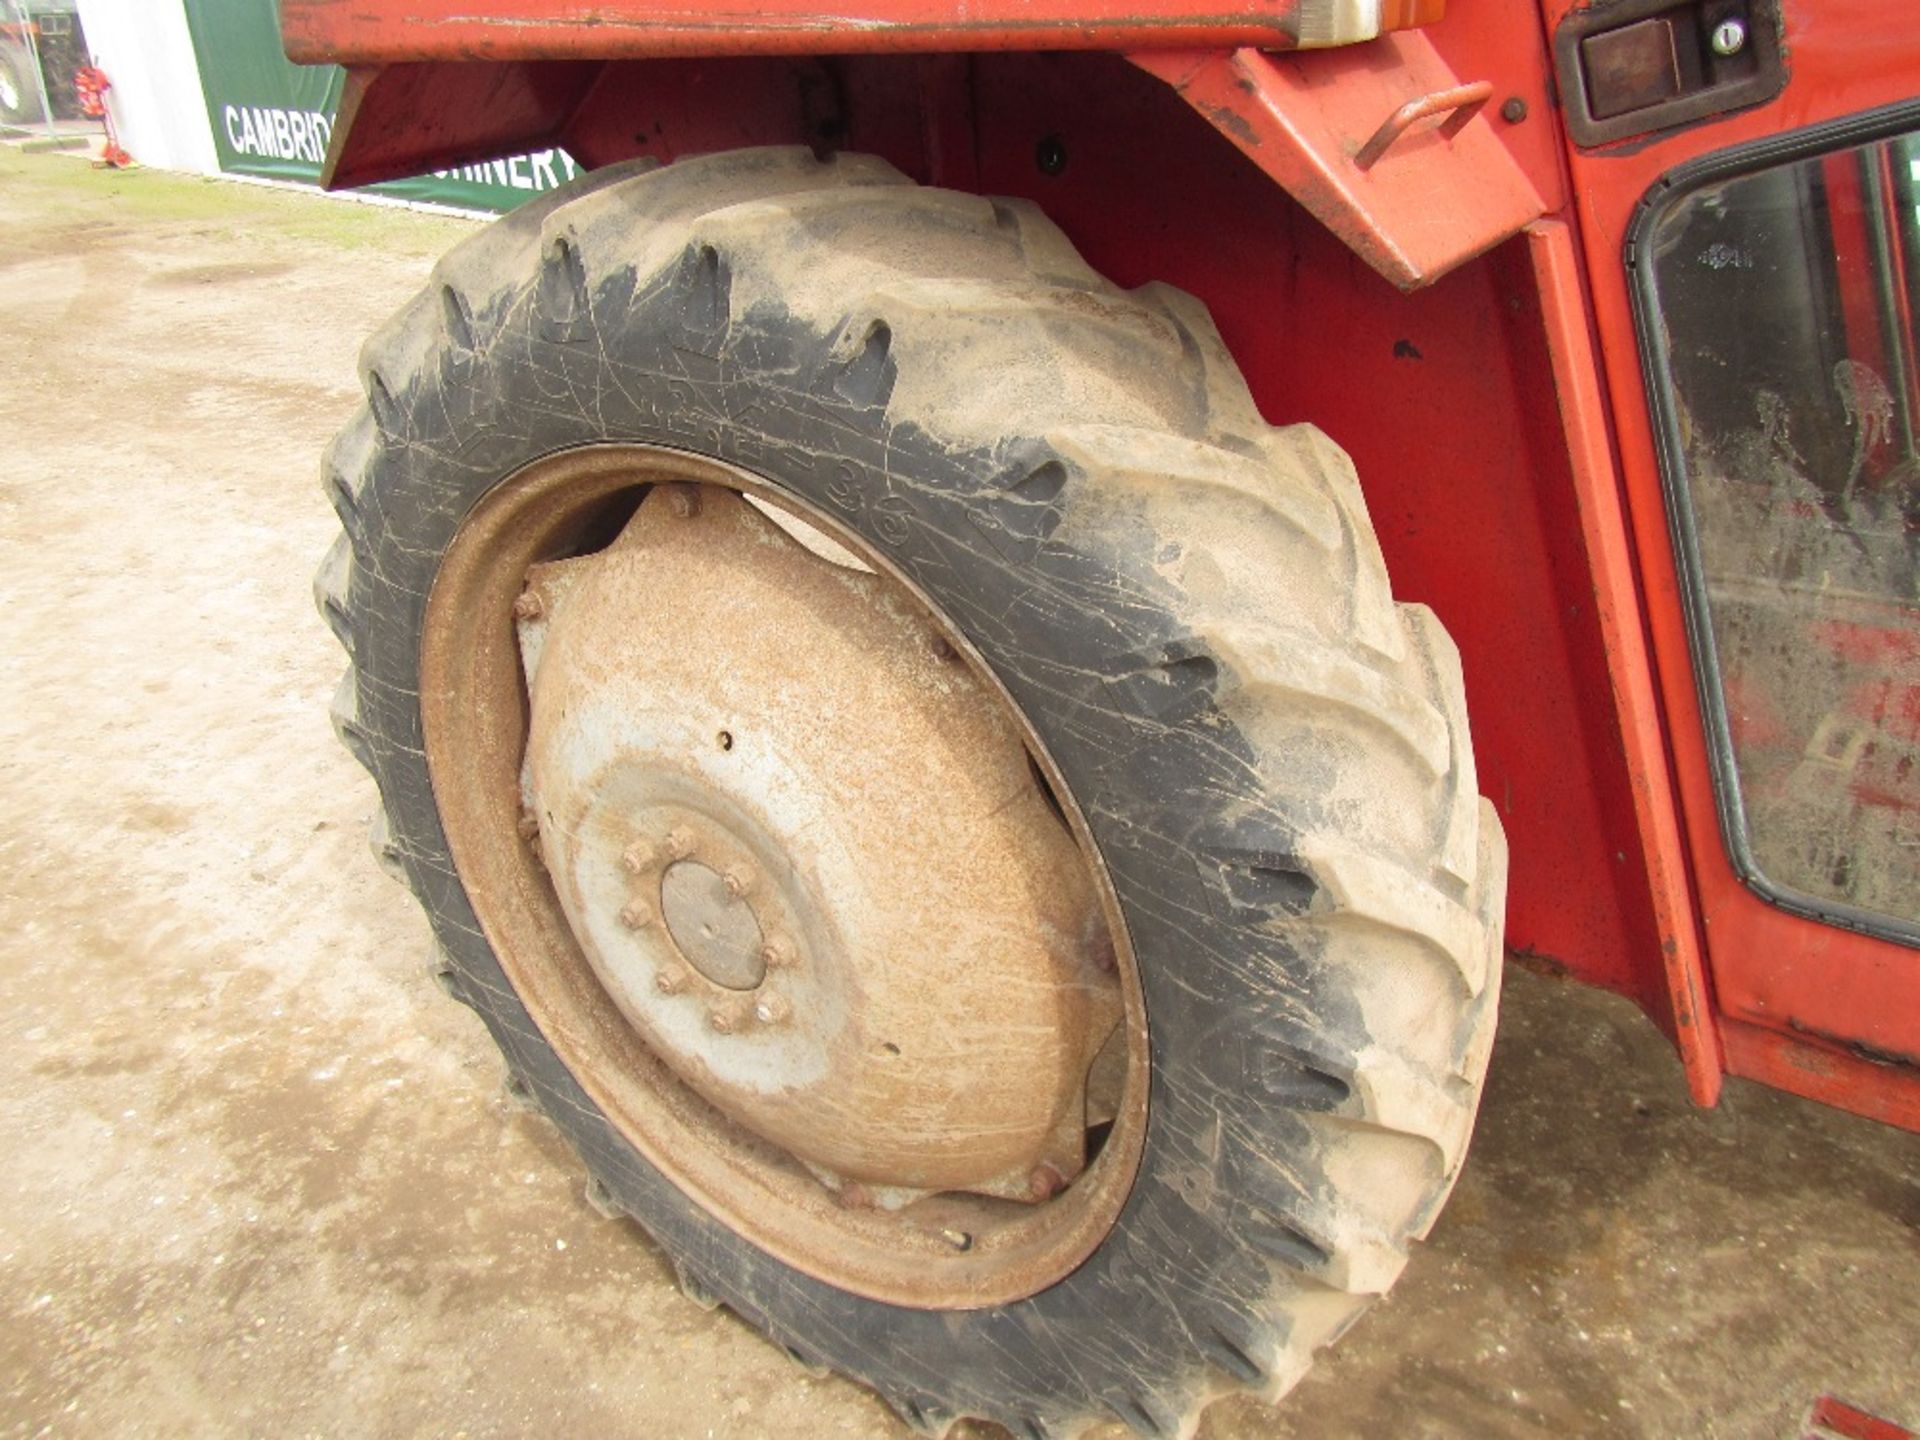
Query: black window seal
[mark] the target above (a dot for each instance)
(1885, 122)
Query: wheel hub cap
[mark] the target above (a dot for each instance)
(712, 926)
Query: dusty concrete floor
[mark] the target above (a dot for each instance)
(259, 1177)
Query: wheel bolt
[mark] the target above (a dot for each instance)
(679, 842)
(670, 980)
(1044, 1183)
(727, 1017)
(771, 1009)
(635, 915)
(738, 880)
(777, 954)
(638, 858)
(854, 1196)
(528, 606)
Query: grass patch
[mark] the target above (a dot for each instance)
(61, 190)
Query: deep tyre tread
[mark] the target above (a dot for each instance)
(1189, 605)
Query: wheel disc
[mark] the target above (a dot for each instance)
(781, 875)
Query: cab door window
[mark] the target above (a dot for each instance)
(1779, 307)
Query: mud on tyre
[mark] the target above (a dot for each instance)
(1188, 612)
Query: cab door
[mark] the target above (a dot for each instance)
(1746, 177)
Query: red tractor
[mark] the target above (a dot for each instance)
(869, 613)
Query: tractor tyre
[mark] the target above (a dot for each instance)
(928, 790)
(19, 95)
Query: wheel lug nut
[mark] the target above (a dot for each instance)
(771, 1009)
(638, 858)
(727, 1017)
(528, 606)
(670, 980)
(777, 954)
(679, 843)
(854, 1196)
(738, 880)
(635, 915)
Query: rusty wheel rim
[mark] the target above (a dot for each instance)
(593, 963)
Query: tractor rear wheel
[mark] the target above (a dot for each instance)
(930, 793)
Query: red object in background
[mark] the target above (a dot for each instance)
(91, 84)
(1831, 1417)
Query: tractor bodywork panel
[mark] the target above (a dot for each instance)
(1457, 312)
(1343, 138)
(632, 29)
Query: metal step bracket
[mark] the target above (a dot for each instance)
(1381, 142)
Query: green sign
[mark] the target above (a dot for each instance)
(273, 118)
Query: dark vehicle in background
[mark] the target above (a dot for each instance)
(42, 35)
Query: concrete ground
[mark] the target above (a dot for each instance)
(259, 1177)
